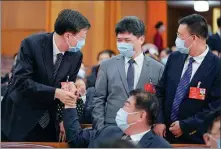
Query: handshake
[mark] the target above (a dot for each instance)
(68, 94)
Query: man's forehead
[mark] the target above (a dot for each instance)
(131, 100)
(125, 35)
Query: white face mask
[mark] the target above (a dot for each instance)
(121, 119)
(180, 45)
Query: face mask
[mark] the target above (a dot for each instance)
(81, 73)
(164, 60)
(126, 49)
(121, 119)
(180, 46)
(78, 47)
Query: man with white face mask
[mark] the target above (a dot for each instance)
(30, 109)
(121, 74)
(190, 85)
(134, 121)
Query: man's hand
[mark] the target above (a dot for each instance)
(160, 129)
(65, 97)
(62, 136)
(175, 129)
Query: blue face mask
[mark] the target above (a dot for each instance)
(121, 119)
(126, 49)
(78, 47)
(164, 60)
(180, 46)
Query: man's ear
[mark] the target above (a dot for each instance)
(142, 39)
(143, 116)
(206, 139)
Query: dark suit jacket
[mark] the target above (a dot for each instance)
(31, 89)
(214, 42)
(78, 137)
(191, 111)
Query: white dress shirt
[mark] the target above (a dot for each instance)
(137, 137)
(196, 64)
(137, 67)
(55, 50)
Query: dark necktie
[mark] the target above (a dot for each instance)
(130, 75)
(126, 137)
(181, 90)
(44, 121)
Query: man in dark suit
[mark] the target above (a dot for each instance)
(134, 122)
(45, 60)
(190, 85)
(214, 41)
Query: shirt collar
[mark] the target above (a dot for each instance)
(138, 60)
(138, 137)
(218, 32)
(55, 48)
(201, 57)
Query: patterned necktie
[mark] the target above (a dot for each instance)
(130, 75)
(126, 137)
(181, 90)
(44, 121)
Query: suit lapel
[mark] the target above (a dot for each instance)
(145, 72)
(202, 70)
(146, 140)
(47, 55)
(121, 69)
(179, 68)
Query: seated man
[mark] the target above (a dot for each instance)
(134, 122)
(212, 137)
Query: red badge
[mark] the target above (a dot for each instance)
(197, 92)
(149, 87)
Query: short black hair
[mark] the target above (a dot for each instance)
(211, 118)
(148, 102)
(130, 24)
(196, 24)
(70, 21)
(219, 22)
(107, 51)
(158, 25)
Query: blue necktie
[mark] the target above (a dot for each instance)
(181, 90)
(130, 75)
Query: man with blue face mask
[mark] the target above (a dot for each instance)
(121, 74)
(30, 109)
(134, 121)
(190, 85)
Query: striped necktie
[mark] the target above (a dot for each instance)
(181, 90)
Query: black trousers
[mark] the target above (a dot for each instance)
(38, 134)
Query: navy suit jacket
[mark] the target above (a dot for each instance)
(78, 137)
(31, 89)
(192, 112)
(214, 42)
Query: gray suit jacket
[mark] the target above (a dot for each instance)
(112, 89)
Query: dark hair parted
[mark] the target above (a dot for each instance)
(196, 24)
(130, 24)
(70, 21)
